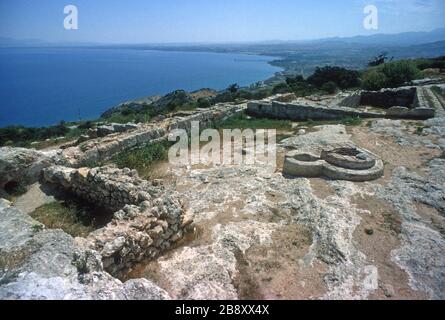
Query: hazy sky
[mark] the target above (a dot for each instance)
(150, 21)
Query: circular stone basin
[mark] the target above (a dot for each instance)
(349, 158)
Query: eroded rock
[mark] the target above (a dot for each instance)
(41, 264)
(21, 165)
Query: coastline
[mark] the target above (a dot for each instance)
(86, 117)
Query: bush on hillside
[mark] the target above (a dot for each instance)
(374, 80)
(400, 72)
(292, 81)
(390, 75)
(329, 87)
(203, 103)
(297, 85)
(342, 77)
(434, 63)
(21, 136)
(281, 88)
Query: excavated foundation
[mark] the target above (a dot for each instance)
(147, 220)
(405, 103)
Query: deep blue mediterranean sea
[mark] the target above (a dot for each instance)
(42, 86)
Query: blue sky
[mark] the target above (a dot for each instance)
(164, 21)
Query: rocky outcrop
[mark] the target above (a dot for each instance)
(148, 219)
(161, 103)
(21, 165)
(171, 100)
(422, 254)
(41, 264)
(111, 128)
(135, 105)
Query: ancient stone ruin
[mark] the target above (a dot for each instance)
(405, 103)
(343, 161)
(246, 218)
(402, 103)
(148, 219)
(100, 149)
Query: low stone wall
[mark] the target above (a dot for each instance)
(426, 98)
(103, 149)
(148, 219)
(405, 103)
(106, 187)
(352, 101)
(297, 112)
(389, 98)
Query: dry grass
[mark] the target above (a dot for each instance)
(61, 215)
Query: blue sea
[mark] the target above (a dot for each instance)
(42, 86)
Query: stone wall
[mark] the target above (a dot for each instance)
(106, 187)
(389, 98)
(352, 101)
(406, 103)
(148, 218)
(103, 149)
(299, 112)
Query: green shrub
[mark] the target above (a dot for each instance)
(203, 103)
(344, 78)
(86, 125)
(262, 93)
(400, 72)
(355, 121)
(127, 111)
(374, 80)
(297, 85)
(225, 96)
(434, 63)
(243, 121)
(142, 159)
(22, 136)
(244, 94)
(329, 87)
(233, 88)
(291, 81)
(390, 75)
(281, 88)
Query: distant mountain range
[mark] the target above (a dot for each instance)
(296, 57)
(399, 39)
